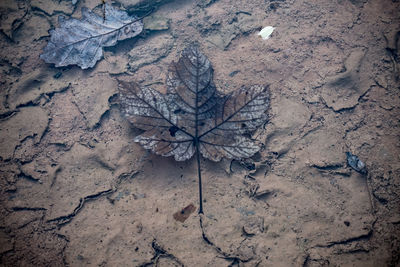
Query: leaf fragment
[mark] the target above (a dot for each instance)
(80, 42)
(153, 112)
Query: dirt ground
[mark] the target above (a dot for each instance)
(76, 190)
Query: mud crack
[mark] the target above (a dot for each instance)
(362, 237)
(27, 209)
(159, 253)
(62, 220)
(224, 255)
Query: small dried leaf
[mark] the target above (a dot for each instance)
(80, 42)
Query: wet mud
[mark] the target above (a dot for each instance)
(76, 190)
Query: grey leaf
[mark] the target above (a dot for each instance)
(80, 42)
(193, 117)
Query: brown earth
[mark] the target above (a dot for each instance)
(76, 190)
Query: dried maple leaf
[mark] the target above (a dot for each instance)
(81, 42)
(193, 117)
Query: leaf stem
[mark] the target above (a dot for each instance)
(197, 139)
(199, 174)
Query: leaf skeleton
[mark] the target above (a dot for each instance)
(193, 117)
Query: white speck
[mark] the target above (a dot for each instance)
(266, 32)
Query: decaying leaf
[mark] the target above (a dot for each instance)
(193, 117)
(80, 42)
(355, 163)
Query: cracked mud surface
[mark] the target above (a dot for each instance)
(76, 190)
